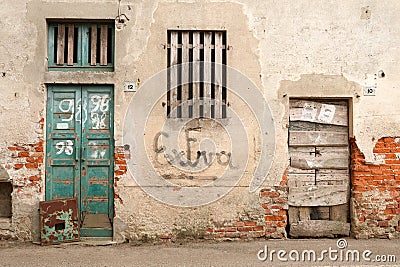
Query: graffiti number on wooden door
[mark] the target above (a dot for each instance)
(98, 113)
(65, 147)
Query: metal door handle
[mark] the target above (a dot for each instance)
(76, 154)
(83, 154)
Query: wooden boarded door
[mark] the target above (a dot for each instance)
(79, 153)
(318, 177)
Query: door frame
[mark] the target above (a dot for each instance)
(78, 145)
(349, 126)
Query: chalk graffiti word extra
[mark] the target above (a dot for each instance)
(223, 158)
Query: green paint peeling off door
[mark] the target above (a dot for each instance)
(79, 151)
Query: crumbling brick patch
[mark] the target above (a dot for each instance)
(268, 224)
(25, 166)
(236, 230)
(375, 190)
(121, 156)
(275, 203)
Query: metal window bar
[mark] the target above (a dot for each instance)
(187, 98)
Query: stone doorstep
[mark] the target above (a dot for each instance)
(86, 241)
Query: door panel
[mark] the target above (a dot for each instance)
(97, 157)
(80, 147)
(63, 146)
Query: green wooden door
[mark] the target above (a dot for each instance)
(80, 151)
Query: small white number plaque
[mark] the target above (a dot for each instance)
(130, 87)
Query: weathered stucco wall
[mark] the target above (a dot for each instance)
(310, 49)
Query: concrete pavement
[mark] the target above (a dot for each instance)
(290, 252)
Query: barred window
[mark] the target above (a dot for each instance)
(81, 46)
(197, 89)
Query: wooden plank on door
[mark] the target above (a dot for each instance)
(338, 160)
(325, 113)
(292, 170)
(317, 138)
(300, 179)
(60, 44)
(304, 213)
(218, 75)
(338, 163)
(70, 54)
(293, 213)
(318, 195)
(331, 128)
(302, 150)
(339, 212)
(103, 44)
(302, 126)
(319, 228)
(93, 45)
(173, 75)
(207, 75)
(185, 75)
(196, 75)
(332, 177)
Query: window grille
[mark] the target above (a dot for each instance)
(197, 90)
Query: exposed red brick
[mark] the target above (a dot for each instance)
(119, 156)
(280, 200)
(18, 166)
(244, 229)
(250, 223)
(281, 224)
(34, 178)
(238, 224)
(120, 161)
(258, 234)
(218, 235)
(382, 179)
(383, 224)
(230, 229)
(30, 160)
(273, 218)
(232, 235)
(119, 173)
(31, 165)
(258, 228)
(23, 154)
(269, 194)
(270, 230)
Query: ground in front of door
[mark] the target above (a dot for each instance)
(240, 253)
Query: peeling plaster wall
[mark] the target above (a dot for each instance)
(288, 49)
